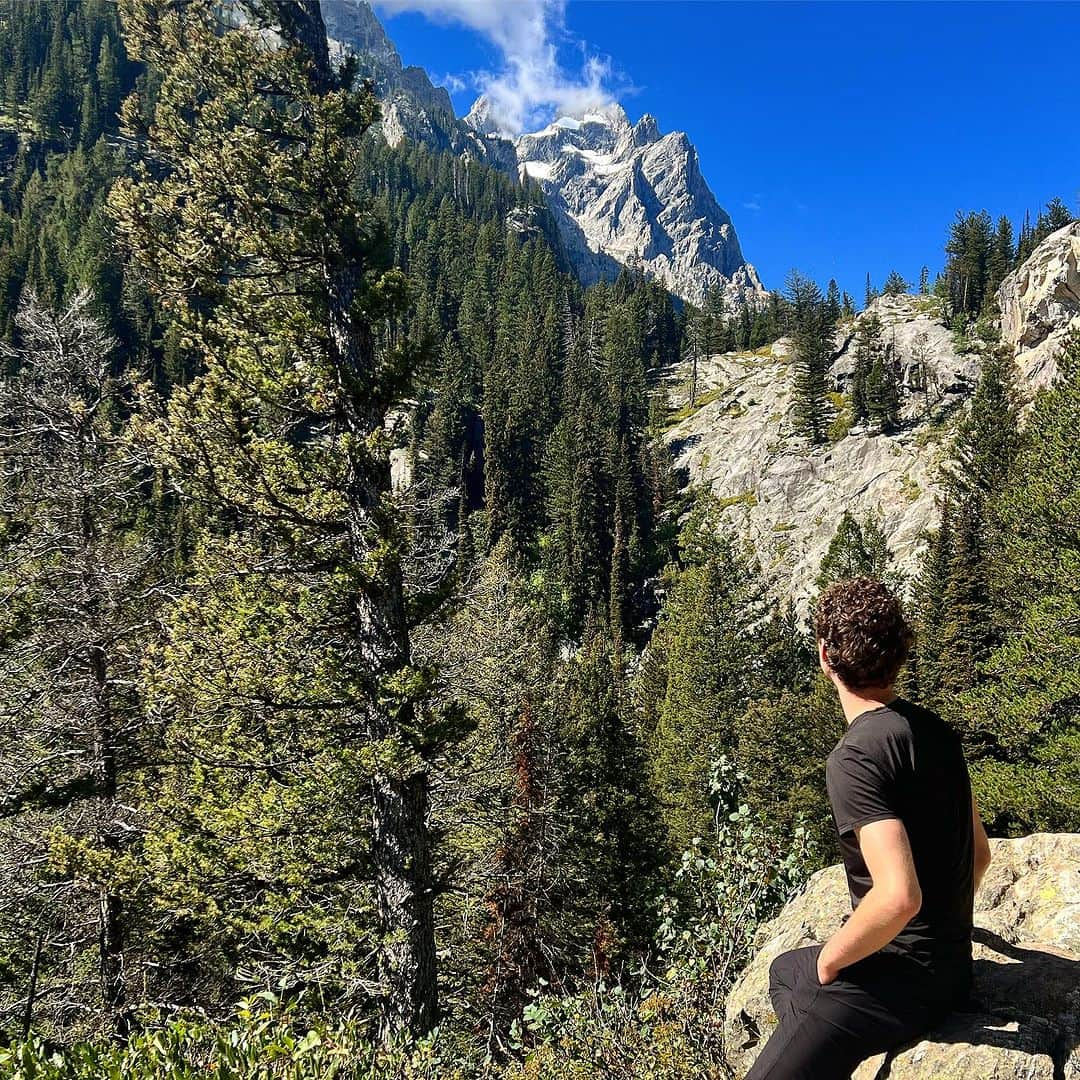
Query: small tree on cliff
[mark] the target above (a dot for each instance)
(811, 335)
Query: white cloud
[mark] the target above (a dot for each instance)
(454, 83)
(532, 85)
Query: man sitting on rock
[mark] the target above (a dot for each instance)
(914, 852)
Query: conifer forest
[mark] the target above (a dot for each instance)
(378, 696)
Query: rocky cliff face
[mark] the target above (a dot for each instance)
(412, 106)
(1040, 304)
(786, 497)
(1024, 1019)
(623, 194)
(620, 194)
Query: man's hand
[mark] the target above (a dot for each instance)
(893, 900)
(982, 845)
(825, 972)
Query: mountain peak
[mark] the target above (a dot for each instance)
(624, 193)
(620, 193)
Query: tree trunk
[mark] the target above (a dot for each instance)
(401, 848)
(110, 916)
(31, 990)
(402, 854)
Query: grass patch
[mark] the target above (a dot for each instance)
(746, 498)
(844, 419)
(909, 488)
(679, 415)
(783, 526)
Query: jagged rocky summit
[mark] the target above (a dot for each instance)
(620, 194)
(625, 195)
(1023, 1021)
(412, 107)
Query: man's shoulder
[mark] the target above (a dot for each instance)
(887, 731)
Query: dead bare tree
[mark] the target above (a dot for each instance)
(77, 579)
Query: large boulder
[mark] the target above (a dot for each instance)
(1040, 304)
(1024, 1022)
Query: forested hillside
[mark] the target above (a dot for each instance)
(375, 697)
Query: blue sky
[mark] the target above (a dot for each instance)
(841, 137)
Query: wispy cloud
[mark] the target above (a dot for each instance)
(531, 84)
(454, 83)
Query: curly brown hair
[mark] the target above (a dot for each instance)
(867, 639)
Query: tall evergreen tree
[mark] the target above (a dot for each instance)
(80, 570)
(812, 335)
(288, 297)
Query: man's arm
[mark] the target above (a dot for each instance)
(893, 900)
(982, 845)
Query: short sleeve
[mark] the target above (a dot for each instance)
(861, 788)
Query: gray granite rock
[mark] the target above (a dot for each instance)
(1024, 1022)
(1040, 304)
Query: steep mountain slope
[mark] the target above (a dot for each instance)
(621, 194)
(412, 106)
(786, 498)
(628, 193)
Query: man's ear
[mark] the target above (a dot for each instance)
(823, 660)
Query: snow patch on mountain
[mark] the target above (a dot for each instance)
(625, 195)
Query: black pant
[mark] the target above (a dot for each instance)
(825, 1031)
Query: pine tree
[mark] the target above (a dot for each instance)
(871, 293)
(895, 285)
(1002, 255)
(81, 570)
(857, 549)
(289, 298)
(1025, 712)
(706, 639)
(869, 347)
(812, 340)
(833, 306)
(883, 390)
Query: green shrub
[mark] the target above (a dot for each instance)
(259, 1043)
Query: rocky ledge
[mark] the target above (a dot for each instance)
(1040, 305)
(1024, 1022)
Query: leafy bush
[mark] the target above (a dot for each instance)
(672, 1028)
(260, 1043)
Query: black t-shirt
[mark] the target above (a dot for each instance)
(902, 761)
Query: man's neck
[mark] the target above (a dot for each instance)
(856, 702)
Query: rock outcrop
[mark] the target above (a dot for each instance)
(412, 107)
(623, 194)
(1040, 304)
(1023, 1021)
(787, 497)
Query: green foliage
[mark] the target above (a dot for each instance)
(702, 672)
(811, 335)
(857, 549)
(672, 1027)
(895, 285)
(782, 746)
(262, 1041)
(1025, 711)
